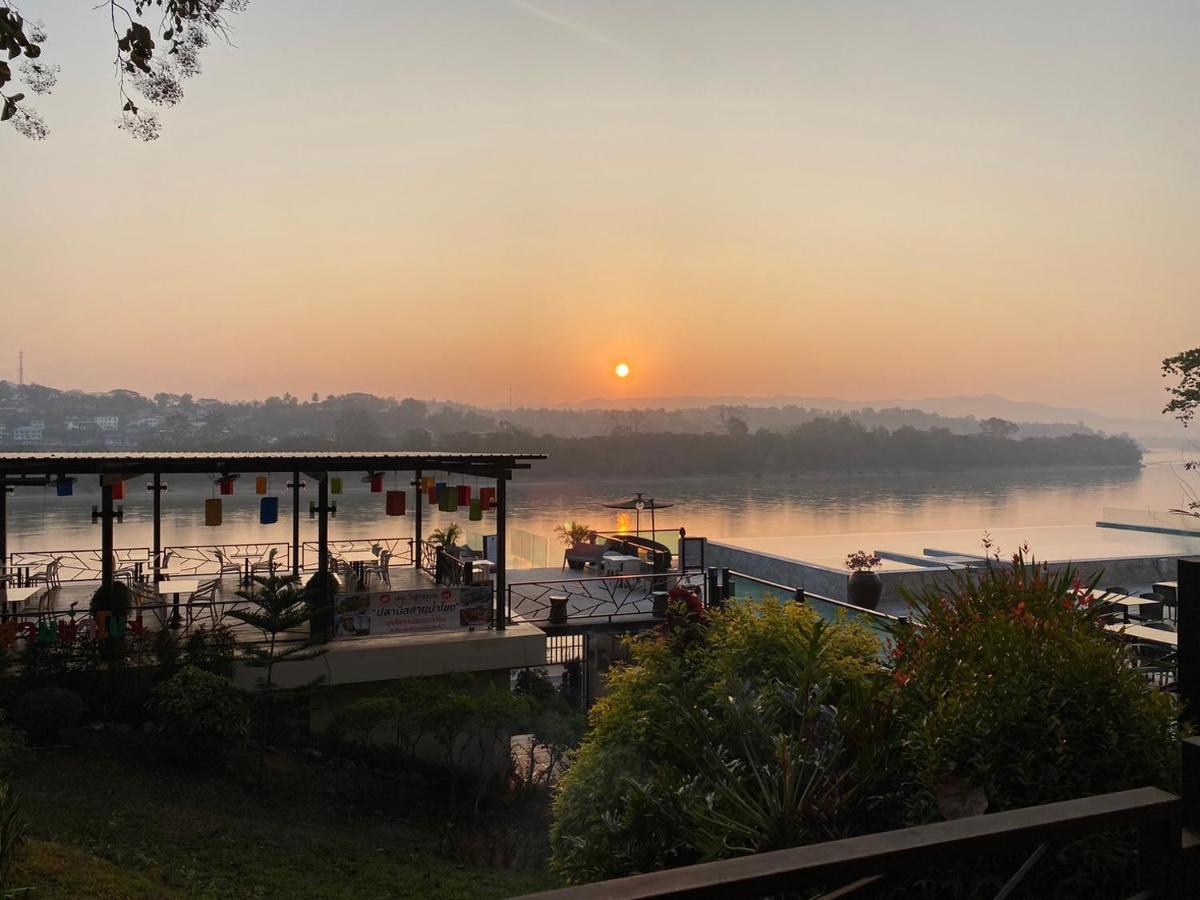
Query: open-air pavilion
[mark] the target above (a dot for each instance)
(18, 470)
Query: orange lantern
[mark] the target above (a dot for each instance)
(260, 484)
(212, 511)
(431, 490)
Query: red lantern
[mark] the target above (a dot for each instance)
(118, 490)
(487, 497)
(376, 484)
(395, 503)
(464, 495)
(226, 486)
(432, 491)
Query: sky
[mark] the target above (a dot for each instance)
(460, 199)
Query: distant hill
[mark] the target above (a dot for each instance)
(1160, 432)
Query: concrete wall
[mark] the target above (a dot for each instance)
(1134, 573)
(382, 659)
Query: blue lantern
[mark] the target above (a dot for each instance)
(268, 510)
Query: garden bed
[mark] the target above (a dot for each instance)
(110, 819)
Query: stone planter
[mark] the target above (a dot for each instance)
(864, 589)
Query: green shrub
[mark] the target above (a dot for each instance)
(114, 599)
(201, 714)
(13, 834)
(47, 713)
(1012, 695)
(211, 650)
(747, 730)
(1013, 686)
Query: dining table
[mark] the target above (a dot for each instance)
(358, 560)
(12, 597)
(175, 587)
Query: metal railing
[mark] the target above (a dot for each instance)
(872, 861)
(76, 565)
(201, 559)
(802, 596)
(603, 598)
(401, 549)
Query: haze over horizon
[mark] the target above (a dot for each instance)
(760, 199)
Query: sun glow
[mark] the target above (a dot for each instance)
(622, 370)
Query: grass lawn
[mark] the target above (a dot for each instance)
(109, 819)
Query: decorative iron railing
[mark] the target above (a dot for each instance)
(203, 559)
(401, 549)
(601, 598)
(76, 565)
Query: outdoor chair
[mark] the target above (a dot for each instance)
(133, 570)
(228, 567)
(205, 596)
(380, 568)
(145, 597)
(266, 565)
(49, 575)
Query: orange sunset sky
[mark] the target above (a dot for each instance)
(851, 199)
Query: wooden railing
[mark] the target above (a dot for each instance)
(871, 861)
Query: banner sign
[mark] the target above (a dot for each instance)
(376, 613)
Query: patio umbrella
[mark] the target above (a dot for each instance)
(638, 503)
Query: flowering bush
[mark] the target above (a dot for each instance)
(1010, 694)
(862, 561)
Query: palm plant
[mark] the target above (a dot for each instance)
(572, 532)
(279, 610)
(447, 536)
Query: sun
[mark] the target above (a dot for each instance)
(622, 370)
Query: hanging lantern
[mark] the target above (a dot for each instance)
(226, 485)
(431, 490)
(377, 484)
(118, 490)
(476, 510)
(488, 496)
(64, 487)
(268, 510)
(464, 494)
(335, 484)
(212, 511)
(451, 498)
(260, 484)
(395, 503)
(428, 482)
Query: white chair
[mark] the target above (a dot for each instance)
(380, 568)
(228, 567)
(205, 595)
(265, 565)
(144, 596)
(49, 575)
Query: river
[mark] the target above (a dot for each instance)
(715, 507)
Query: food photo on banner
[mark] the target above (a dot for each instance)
(406, 612)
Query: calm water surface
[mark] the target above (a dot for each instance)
(716, 507)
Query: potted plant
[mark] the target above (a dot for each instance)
(581, 543)
(447, 537)
(864, 587)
